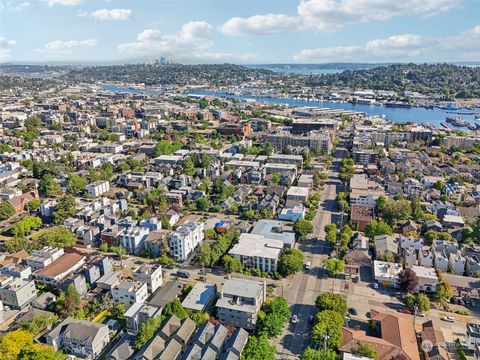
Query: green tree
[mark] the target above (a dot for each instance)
(34, 204)
(366, 350)
(331, 301)
(5, 148)
(202, 204)
(76, 184)
(345, 236)
(444, 291)
(334, 266)
(66, 207)
(49, 186)
(273, 317)
(175, 308)
(20, 345)
(57, 236)
(68, 303)
(329, 323)
(291, 262)
(205, 254)
(396, 210)
(147, 331)
(302, 228)
(331, 233)
(103, 247)
(375, 228)
(232, 264)
(258, 348)
(276, 178)
(38, 323)
(26, 225)
(312, 354)
(380, 204)
(188, 167)
(200, 317)
(6, 210)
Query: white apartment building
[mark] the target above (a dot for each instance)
(257, 252)
(97, 188)
(150, 274)
(185, 239)
(41, 258)
(297, 194)
(133, 239)
(17, 292)
(130, 292)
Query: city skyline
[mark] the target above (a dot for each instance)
(308, 31)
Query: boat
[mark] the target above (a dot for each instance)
(398, 104)
(456, 121)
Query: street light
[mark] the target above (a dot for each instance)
(325, 339)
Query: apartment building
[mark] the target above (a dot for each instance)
(257, 252)
(41, 258)
(17, 292)
(97, 188)
(58, 270)
(133, 239)
(129, 293)
(185, 239)
(240, 301)
(151, 275)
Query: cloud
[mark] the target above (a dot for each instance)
(5, 47)
(405, 47)
(66, 47)
(331, 15)
(260, 24)
(63, 2)
(193, 36)
(4, 42)
(192, 43)
(113, 14)
(14, 5)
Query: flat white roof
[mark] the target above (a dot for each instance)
(257, 245)
(385, 269)
(297, 191)
(425, 272)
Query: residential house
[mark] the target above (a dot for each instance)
(456, 263)
(360, 216)
(79, 337)
(433, 334)
(386, 273)
(397, 336)
(427, 278)
(200, 298)
(17, 292)
(440, 261)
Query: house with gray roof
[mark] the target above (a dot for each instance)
(79, 337)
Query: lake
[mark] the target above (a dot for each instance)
(401, 115)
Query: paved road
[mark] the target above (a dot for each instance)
(303, 288)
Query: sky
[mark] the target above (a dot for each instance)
(239, 31)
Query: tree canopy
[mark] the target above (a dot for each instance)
(291, 261)
(258, 348)
(332, 301)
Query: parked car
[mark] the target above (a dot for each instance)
(375, 285)
(307, 265)
(448, 319)
(311, 318)
(353, 311)
(183, 274)
(405, 311)
(419, 314)
(294, 319)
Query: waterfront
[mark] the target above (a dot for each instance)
(418, 115)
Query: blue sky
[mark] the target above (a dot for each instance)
(246, 31)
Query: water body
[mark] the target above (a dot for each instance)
(400, 115)
(418, 115)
